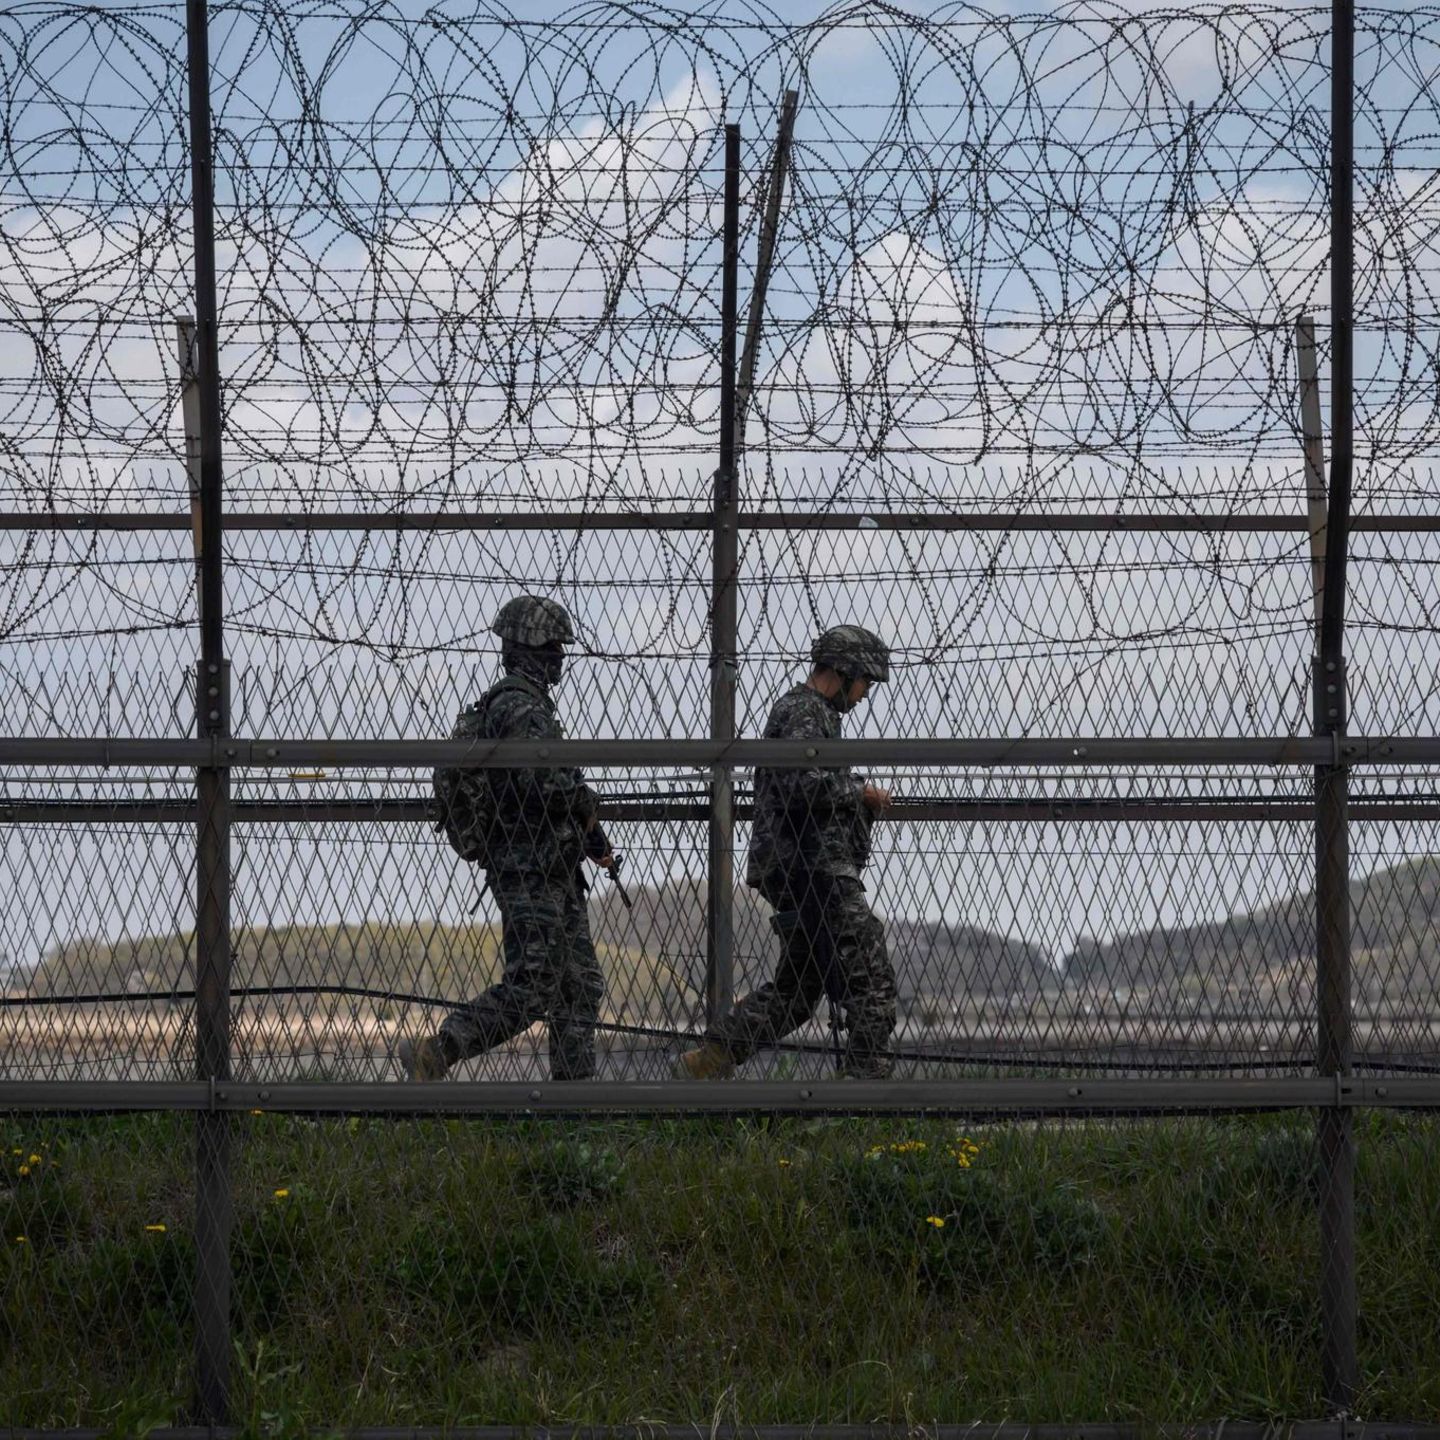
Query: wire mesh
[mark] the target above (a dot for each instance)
(1026, 404)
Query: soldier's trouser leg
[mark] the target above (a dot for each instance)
(861, 979)
(532, 916)
(783, 1004)
(577, 1007)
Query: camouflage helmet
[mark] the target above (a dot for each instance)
(853, 650)
(534, 620)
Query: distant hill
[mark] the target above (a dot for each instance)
(405, 956)
(1270, 952)
(409, 958)
(933, 961)
(653, 955)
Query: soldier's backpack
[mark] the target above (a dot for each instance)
(465, 811)
(465, 806)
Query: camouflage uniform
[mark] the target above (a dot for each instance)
(810, 841)
(533, 870)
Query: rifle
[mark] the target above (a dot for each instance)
(597, 846)
(613, 871)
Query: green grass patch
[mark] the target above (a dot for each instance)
(557, 1272)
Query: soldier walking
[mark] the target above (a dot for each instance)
(529, 828)
(809, 843)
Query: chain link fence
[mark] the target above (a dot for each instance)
(329, 329)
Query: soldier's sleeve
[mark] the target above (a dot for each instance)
(557, 790)
(597, 843)
(817, 790)
(467, 724)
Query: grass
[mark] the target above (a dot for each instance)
(563, 1272)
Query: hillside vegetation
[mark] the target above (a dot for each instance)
(653, 954)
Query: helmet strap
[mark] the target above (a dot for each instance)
(841, 699)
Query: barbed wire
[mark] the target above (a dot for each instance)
(469, 244)
(1047, 262)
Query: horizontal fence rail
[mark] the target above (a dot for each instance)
(959, 1098)
(1080, 751)
(392, 809)
(704, 520)
(1239, 1430)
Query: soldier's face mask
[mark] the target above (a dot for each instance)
(544, 664)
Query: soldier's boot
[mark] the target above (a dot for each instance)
(872, 1070)
(709, 1062)
(422, 1059)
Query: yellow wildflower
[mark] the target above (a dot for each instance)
(784, 1163)
(257, 1112)
(34, 1160)
(938, 1221)
(21, 1240)
(282, 1194)
(156, 1229)
(24, 1169)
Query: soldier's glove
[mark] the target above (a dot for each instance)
(597, 842)
(613, 871)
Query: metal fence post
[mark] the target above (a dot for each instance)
(764, 262)
(725, 559)
(213, 1199)
(1313, 444)
(1332, 841)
